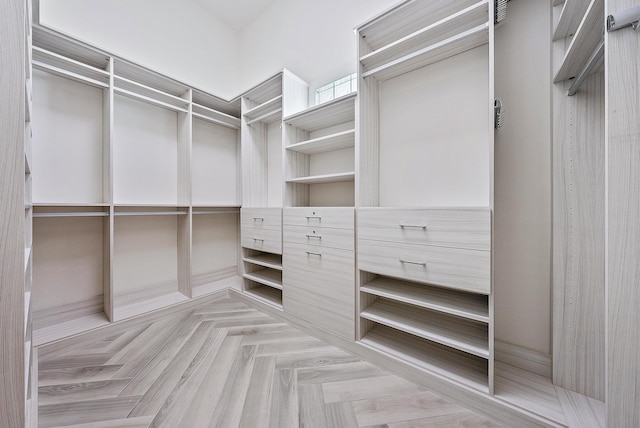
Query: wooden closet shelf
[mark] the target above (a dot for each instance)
(463, 335)
(457, 366)
(267, 295)
(337, 141)
(465, 305)
(447, 48)
(584, 42)
(270, 117)
(269, 277)
(270, 105)
(340, 110)
(324, 178)
(570, 17)
(470, 17)
(272, 261)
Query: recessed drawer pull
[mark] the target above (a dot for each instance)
(258, 219)
(258, 239)
(309, 253)
(314, 236)
(309, 217)
(412, 226)
(412, 263)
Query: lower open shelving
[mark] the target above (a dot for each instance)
(263, 276)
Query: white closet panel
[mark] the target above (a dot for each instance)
(67, 143)
(447, 102)
(145, 152)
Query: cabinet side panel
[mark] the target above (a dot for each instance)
(623, 282)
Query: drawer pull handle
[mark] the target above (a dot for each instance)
(413, 263)
(258, 239)
(314, 236)
(258, 219)
(309, 253)
(412, 226)
(309, 217)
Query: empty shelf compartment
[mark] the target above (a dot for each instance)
(268, 277)
(273, 261)
(337, 141)
(466, 305)
(441, 360)
(267, 295)
(467, 336)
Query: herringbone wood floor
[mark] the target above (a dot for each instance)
(225, 364)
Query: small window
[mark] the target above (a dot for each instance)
(336, 89)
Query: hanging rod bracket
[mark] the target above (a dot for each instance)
(498, 114)
(622, 19)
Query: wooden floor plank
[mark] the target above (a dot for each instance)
(73, 392)
(141, 422)
(76, 361)
(338, 372)
(203, 405)
(368, 387)
(165, 382)
(327, 356)
(402, 407)
(48, 377)
(52, 415)
(284, 399)
(340, 415)
(463, 419)
(257, 403)
(311, 402)
(167, 393)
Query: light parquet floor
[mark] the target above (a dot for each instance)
(225, 364)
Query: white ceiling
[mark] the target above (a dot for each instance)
(236, 13)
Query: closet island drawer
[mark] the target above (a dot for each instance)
(263, 240)
(261, 218)
(448, 227)
(340, 218)
(320, 237)
(309, 263)
(462, 269)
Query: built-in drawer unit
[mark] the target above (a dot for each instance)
(321, 237)
(264, 240)
(319, 267)
(319, 286)
(261, 218)
(339, 218)
(462, 269)
(468, 228)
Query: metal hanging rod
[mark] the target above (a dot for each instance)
(593, 60)
(622, 19)
(216, 212)
(71, 214)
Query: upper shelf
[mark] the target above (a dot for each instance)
(214, 116)
(265, 91)
(324, 178)
(572, 13)
(407, 18)
(69, 68)
(463, 20)
(585, 41)
(264, 109)
(459, 43)
(337, 141)
(340, 110)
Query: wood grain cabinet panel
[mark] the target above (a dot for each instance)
(262, 240)
(461, 269)
(319, 286)
(340, 218)
(320, 237)
(261, 218)
(456, 227)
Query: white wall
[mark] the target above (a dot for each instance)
(313, 39)
(522, 216)
(180, 39)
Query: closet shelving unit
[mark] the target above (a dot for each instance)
(263, 107)
(319, 149)
(425, 188)
(137, 192)
(585, 52)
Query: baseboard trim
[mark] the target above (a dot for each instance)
(523, 358)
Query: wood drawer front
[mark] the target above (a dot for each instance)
(456, 228)
(462, 269)
(261, 218)
(263, 240)
(320, 289)
(341, 218)
(320, 237)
